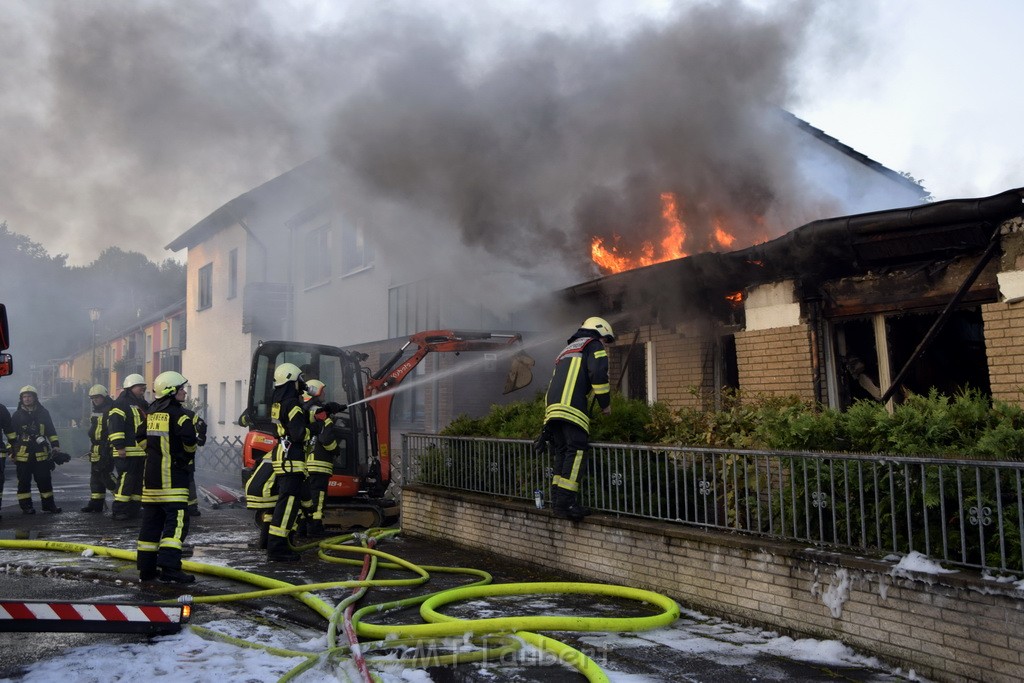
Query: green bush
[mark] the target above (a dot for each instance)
(966, 425)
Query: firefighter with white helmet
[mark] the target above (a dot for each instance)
(127, 425)
(101, 461)
(289, 458)
(320, 454)
(171, 441)
(581, 373)
(36, 450)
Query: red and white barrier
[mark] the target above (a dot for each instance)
(92, 617)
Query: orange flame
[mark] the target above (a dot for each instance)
(735, 297)
(613, 257)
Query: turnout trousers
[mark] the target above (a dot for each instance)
(161, 535)
(39, 471)
(286, 511)
(128, 496)
(570, 446)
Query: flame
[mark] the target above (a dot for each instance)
(735, 297)
(612, 256)
(723, 238)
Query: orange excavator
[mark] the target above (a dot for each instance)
(358, 493)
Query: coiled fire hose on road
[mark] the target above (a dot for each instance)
(496, 637)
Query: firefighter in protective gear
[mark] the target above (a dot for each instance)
(171, 441)
(101, 461)
(321, 450)
(127, 429)
(5, 443)
(581, 372)
(36, 450)
(289, 458)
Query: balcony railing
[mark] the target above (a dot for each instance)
(965, 512)
(169, 359)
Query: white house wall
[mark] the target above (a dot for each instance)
(217, 351)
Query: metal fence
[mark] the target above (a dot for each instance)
(220, 454)
(965, 512)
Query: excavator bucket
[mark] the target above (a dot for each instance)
(521, 372)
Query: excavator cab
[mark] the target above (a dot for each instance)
(357, 491)
(340, 371)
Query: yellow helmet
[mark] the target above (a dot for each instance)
(601, 326)
(133, 380)
(168, 383)
(97, 390)
(286, 372)
(314, 389)
(28, 389)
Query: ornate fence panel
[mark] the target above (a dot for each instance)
(220, 454)
(966, 512)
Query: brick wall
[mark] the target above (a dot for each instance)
(948, 627)
(776, 361)
(1004, 328)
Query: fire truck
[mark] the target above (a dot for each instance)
(358, 493)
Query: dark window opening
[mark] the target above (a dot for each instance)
(953, 360)
(631, 361)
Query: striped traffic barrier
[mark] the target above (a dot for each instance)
(94, 617)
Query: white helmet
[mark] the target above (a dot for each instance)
(97, 390)
(601, 326)
(168, 383)
(287, 372)
(133, 380)
(314, 389)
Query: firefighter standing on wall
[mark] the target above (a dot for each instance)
(5, 443)
(321, 449)
(171, 440)
(581, 371)
(36, 451)
(289, 460)
(127, 424)
(101, 471)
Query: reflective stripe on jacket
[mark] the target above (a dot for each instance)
(581, 371)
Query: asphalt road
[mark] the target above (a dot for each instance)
(696, 648)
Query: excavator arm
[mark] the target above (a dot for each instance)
(380, 387)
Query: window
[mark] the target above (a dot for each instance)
(202, 400)
(356, 253)
(412, 308)
(205, 287)
(232, 273)
(317, 267)
(222, 403)
(239, 406)
(149, 349)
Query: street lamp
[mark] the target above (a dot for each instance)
(94, 316)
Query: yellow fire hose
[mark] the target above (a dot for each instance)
(439, 626)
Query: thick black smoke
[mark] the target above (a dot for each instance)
(471, 142)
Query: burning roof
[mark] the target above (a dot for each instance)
(706, 283)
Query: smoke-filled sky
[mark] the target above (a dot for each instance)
(517, 128)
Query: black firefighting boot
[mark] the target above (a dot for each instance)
(316, 528)
(94, 505)
(264, 532)
(175, 576)
(278, 550)
(50, 505)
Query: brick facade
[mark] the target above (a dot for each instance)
(1004, 328)
(947, 627)
(776, 361)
